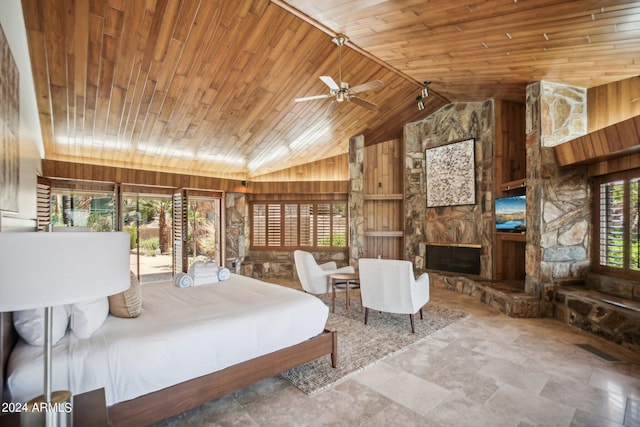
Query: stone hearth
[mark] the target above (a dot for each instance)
(507, 297)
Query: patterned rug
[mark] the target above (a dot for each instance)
(361, 345)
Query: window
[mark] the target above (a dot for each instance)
(78, 208)
(299, 224)
(617, 237)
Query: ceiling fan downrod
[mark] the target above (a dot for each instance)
(340, 40)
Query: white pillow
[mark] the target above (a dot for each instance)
(30, 324)
(88, 316)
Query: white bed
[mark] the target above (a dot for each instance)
(182, 333)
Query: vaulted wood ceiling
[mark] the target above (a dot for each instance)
(207, 87)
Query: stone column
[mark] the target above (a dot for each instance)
(356, 197)
(415, 197)
(237, 221)
(558, 200)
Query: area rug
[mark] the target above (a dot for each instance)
(361, 345)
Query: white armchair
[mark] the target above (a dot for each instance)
(313, 277)
(390, 286)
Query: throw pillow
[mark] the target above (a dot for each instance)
(30, 324)
(88, 316)
(127, 304)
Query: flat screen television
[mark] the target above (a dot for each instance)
(511, 214)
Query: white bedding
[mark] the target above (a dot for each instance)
(182, 333)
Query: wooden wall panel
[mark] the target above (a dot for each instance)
(509, 147)
(383, 215)
(384, 168)
(384, 200)
(331, 169)
(620, 139)
(619, 164)
(86, 172)
(384, 247)
(612, 103)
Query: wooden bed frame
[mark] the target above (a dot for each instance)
(176, 399)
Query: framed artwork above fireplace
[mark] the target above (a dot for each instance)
(450, 174)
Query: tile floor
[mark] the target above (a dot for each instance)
(486, 370)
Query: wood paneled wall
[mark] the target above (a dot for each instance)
(88, 172)
(384, 200)
(619, 139)
(383, 166)
(330, 169)
(509, 148)
(612, 103)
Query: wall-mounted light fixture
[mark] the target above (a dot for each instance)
(423, 94)
(425, 89)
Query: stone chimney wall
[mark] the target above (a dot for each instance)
(558, 200)
(468, 224)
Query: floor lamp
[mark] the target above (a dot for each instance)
(42, 270)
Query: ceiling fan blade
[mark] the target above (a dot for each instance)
(330, 82)
(311, 98)
(367, 86)
(361, 102)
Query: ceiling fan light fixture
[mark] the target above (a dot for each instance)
(342, 91)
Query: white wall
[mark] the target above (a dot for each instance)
(31, 146)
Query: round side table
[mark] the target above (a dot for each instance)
(348, 281)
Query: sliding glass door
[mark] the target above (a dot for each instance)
(147, 218)
(204, 229)
(169, 230)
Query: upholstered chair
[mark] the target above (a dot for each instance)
(313, 277)
(390, 286)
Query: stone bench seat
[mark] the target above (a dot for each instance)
(608, 316)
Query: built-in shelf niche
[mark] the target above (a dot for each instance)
(510, 180)
(384, 200)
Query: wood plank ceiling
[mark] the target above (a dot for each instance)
(206, 87)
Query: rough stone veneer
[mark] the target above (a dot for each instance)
(563, 113)
(237, 221)
(579, 307)
(513, 304)
(450, 224)
(356, 197)
(558, 200)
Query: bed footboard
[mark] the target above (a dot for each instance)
(181, 397)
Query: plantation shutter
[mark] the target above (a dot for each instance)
(323, 221)
(339, 225)
(306, 224)
(634, 224)
(180, 227)
(291, 225)
(259, 225)
(43, 204)
(274, 222)
(612, 224)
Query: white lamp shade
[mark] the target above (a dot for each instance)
(49, 269)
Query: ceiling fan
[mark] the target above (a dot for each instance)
(342, 92)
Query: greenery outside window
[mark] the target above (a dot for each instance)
(617, 237)
(76, 208)
(286, 225)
